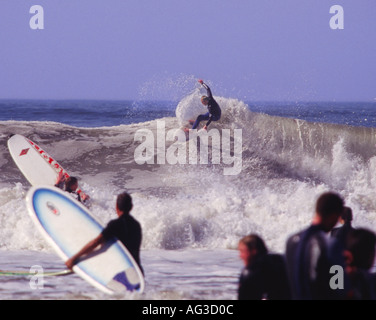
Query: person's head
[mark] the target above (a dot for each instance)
(123, 203)
(250, 247)
(360, 248)
(71, 184)
(329, 207)
(205, 100)
(347, 215)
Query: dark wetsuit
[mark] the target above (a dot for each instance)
(342, 232)
(74, 194)
(338, 243)
(308, 264)
(361, 286)
(358, 284)
(265, 278)
(128, 231)
(214, 113)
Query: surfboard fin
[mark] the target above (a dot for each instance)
(125, 280)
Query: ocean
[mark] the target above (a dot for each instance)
(192, 211)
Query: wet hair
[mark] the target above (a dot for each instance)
(347, 215)
(361, 243)
(329, 203)
(124, 202)
(204, 98)
(252, 242)
(70, 182)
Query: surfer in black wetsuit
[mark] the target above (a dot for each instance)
(341, 232)
(214, 111)
(339, 237)
(125, 228)
(70, 185)
(360, 257)
(307, 252)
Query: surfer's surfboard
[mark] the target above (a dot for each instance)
(11, 273)
(182, 135)
(38, 167)
(68, 226)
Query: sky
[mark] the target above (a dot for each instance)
(252, 50)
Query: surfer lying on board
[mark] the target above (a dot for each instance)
(125, 228)
(214, 111)
(70, 185)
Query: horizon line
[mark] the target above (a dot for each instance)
(177, 100)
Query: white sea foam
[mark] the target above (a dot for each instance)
(287, 164)
(195, 206)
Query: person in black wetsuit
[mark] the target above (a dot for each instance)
(360, 256)
(214, 111)
(70, 185)
(345, 219)
(339, 236)
(307, 252)
(264, 275)
(125, 228)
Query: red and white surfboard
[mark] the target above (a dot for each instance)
(38, 167)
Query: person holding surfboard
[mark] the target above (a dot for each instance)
(214, 111)
(125, 228)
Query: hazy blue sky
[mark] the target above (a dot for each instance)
(155, 49)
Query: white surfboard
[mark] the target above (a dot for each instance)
(68, 225)
(38, 167)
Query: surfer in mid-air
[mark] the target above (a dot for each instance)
(214, 111)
